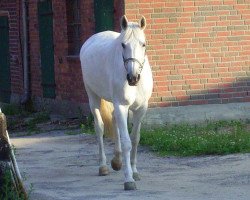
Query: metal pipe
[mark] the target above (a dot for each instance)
(26, 95)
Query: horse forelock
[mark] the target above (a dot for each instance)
(132, 32)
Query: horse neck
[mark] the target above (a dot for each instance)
(118, 51)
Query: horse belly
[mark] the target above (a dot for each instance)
(98, 85)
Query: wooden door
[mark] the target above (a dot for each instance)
(104, 15)
(5, 81)
(45, 18)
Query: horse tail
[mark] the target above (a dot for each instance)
(106, 110)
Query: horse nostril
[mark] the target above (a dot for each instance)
(129, 77)
(132, 80)
(138, 77)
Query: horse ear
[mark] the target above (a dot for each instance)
(142, 22)
(124, 22)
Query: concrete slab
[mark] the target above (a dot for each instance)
(197, 113)
(63, 167)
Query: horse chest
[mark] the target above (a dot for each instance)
(131, 95)
(142, 96)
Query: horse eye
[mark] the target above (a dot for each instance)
(123, 46)
(143, 45)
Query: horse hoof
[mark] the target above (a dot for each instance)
(103, 171)
(136, 176)
(116, 164)
(129, 186)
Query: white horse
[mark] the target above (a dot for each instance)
(115, 68)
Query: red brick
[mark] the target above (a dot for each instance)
(179, 93)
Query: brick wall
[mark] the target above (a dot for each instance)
(69, 84)
(11, 9)
(34, 46)
(68, 74)
(199, 50)
(68, 77)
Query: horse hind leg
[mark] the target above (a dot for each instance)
(111, 130)
(94, 102)
(99, 128)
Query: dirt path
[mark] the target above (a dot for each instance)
(64, 167)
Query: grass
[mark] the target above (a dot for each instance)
(38, 118)
(88, 125)
(12, 109)
(73, 132)
(17, 114)
(26, 121)
(218, 138)
(7, 190)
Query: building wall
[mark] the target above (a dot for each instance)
(199, 50)
(68, 78)
(68, 75)
(11, 8)
(34, 62)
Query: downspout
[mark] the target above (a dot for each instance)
(26, 80)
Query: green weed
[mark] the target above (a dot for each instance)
(73, 132)
(38, 118)
(88, 125)
(7, 190)
(12, 109)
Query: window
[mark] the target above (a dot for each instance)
(73, 26)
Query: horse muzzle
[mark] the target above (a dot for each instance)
(133, 80)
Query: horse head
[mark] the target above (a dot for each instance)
(133, 47)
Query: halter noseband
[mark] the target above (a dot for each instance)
(133, 60)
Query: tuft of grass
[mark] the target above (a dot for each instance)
(11, 109)
(88, 125)
(23, 118)
(73, 132)
(7, 190)
(222, 137)
(38, 118)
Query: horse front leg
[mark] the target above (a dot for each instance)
(121, 115)
(135, 137)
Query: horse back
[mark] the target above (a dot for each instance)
(99, 42)
(97, 61)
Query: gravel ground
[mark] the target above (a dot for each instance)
(65, 167)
